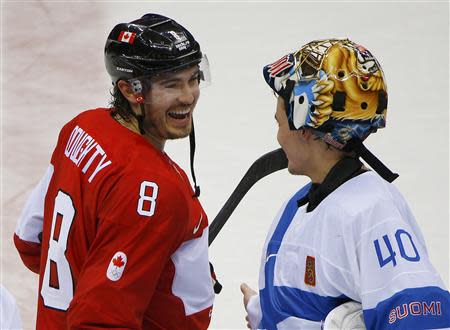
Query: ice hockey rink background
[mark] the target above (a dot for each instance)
(52, 69)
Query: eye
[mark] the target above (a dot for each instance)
(195, 80)
(170, 85)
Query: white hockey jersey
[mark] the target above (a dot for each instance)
(360, 243)
(9, 311)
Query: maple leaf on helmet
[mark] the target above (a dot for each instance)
(118, 262)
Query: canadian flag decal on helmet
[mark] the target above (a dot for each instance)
(116, 266)
(127, 37)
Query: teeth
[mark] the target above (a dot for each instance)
(181, 112)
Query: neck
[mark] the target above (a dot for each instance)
(132, 124)
(158, 144)
(322, 169)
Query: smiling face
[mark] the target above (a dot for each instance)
(169, 105)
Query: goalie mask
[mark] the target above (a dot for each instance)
(337, 88)
(334, 86)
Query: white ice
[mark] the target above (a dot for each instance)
(52, 69)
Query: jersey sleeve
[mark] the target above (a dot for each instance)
(398, 285)
(30, 224)
(141, 223)
(9, 311)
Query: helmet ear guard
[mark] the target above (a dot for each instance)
(136, 87)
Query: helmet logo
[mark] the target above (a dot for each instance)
(283, 63)
(181, 42)
(118, 68)
(127, 37)
(177, 36)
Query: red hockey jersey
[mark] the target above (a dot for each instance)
(124, 242)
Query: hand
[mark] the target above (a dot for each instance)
(248, 292)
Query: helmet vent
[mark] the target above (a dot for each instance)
(339, 101)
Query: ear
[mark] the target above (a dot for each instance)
(128, 93)
(307, 134)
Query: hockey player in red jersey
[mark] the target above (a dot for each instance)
(114, 229)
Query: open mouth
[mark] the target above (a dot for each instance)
(179, 114)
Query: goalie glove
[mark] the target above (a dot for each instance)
(348, 316)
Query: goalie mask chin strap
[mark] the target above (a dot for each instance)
(361, 151)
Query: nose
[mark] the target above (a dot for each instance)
(188, 94)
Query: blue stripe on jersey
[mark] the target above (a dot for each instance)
(279, 303)
(417, 308)
(286, 218)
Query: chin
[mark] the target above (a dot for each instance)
(294, 170)
(179, 133)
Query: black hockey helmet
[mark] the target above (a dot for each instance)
(149, 45)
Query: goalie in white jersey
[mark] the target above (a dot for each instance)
(349, 235)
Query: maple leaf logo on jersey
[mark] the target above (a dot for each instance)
(118, 262)
(116, 266)
(310, 271)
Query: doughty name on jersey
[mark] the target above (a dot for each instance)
(79, 145)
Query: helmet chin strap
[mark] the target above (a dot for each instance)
(140, 118)
(358, 147)
(192, 153)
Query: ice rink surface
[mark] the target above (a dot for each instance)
(52, 69)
